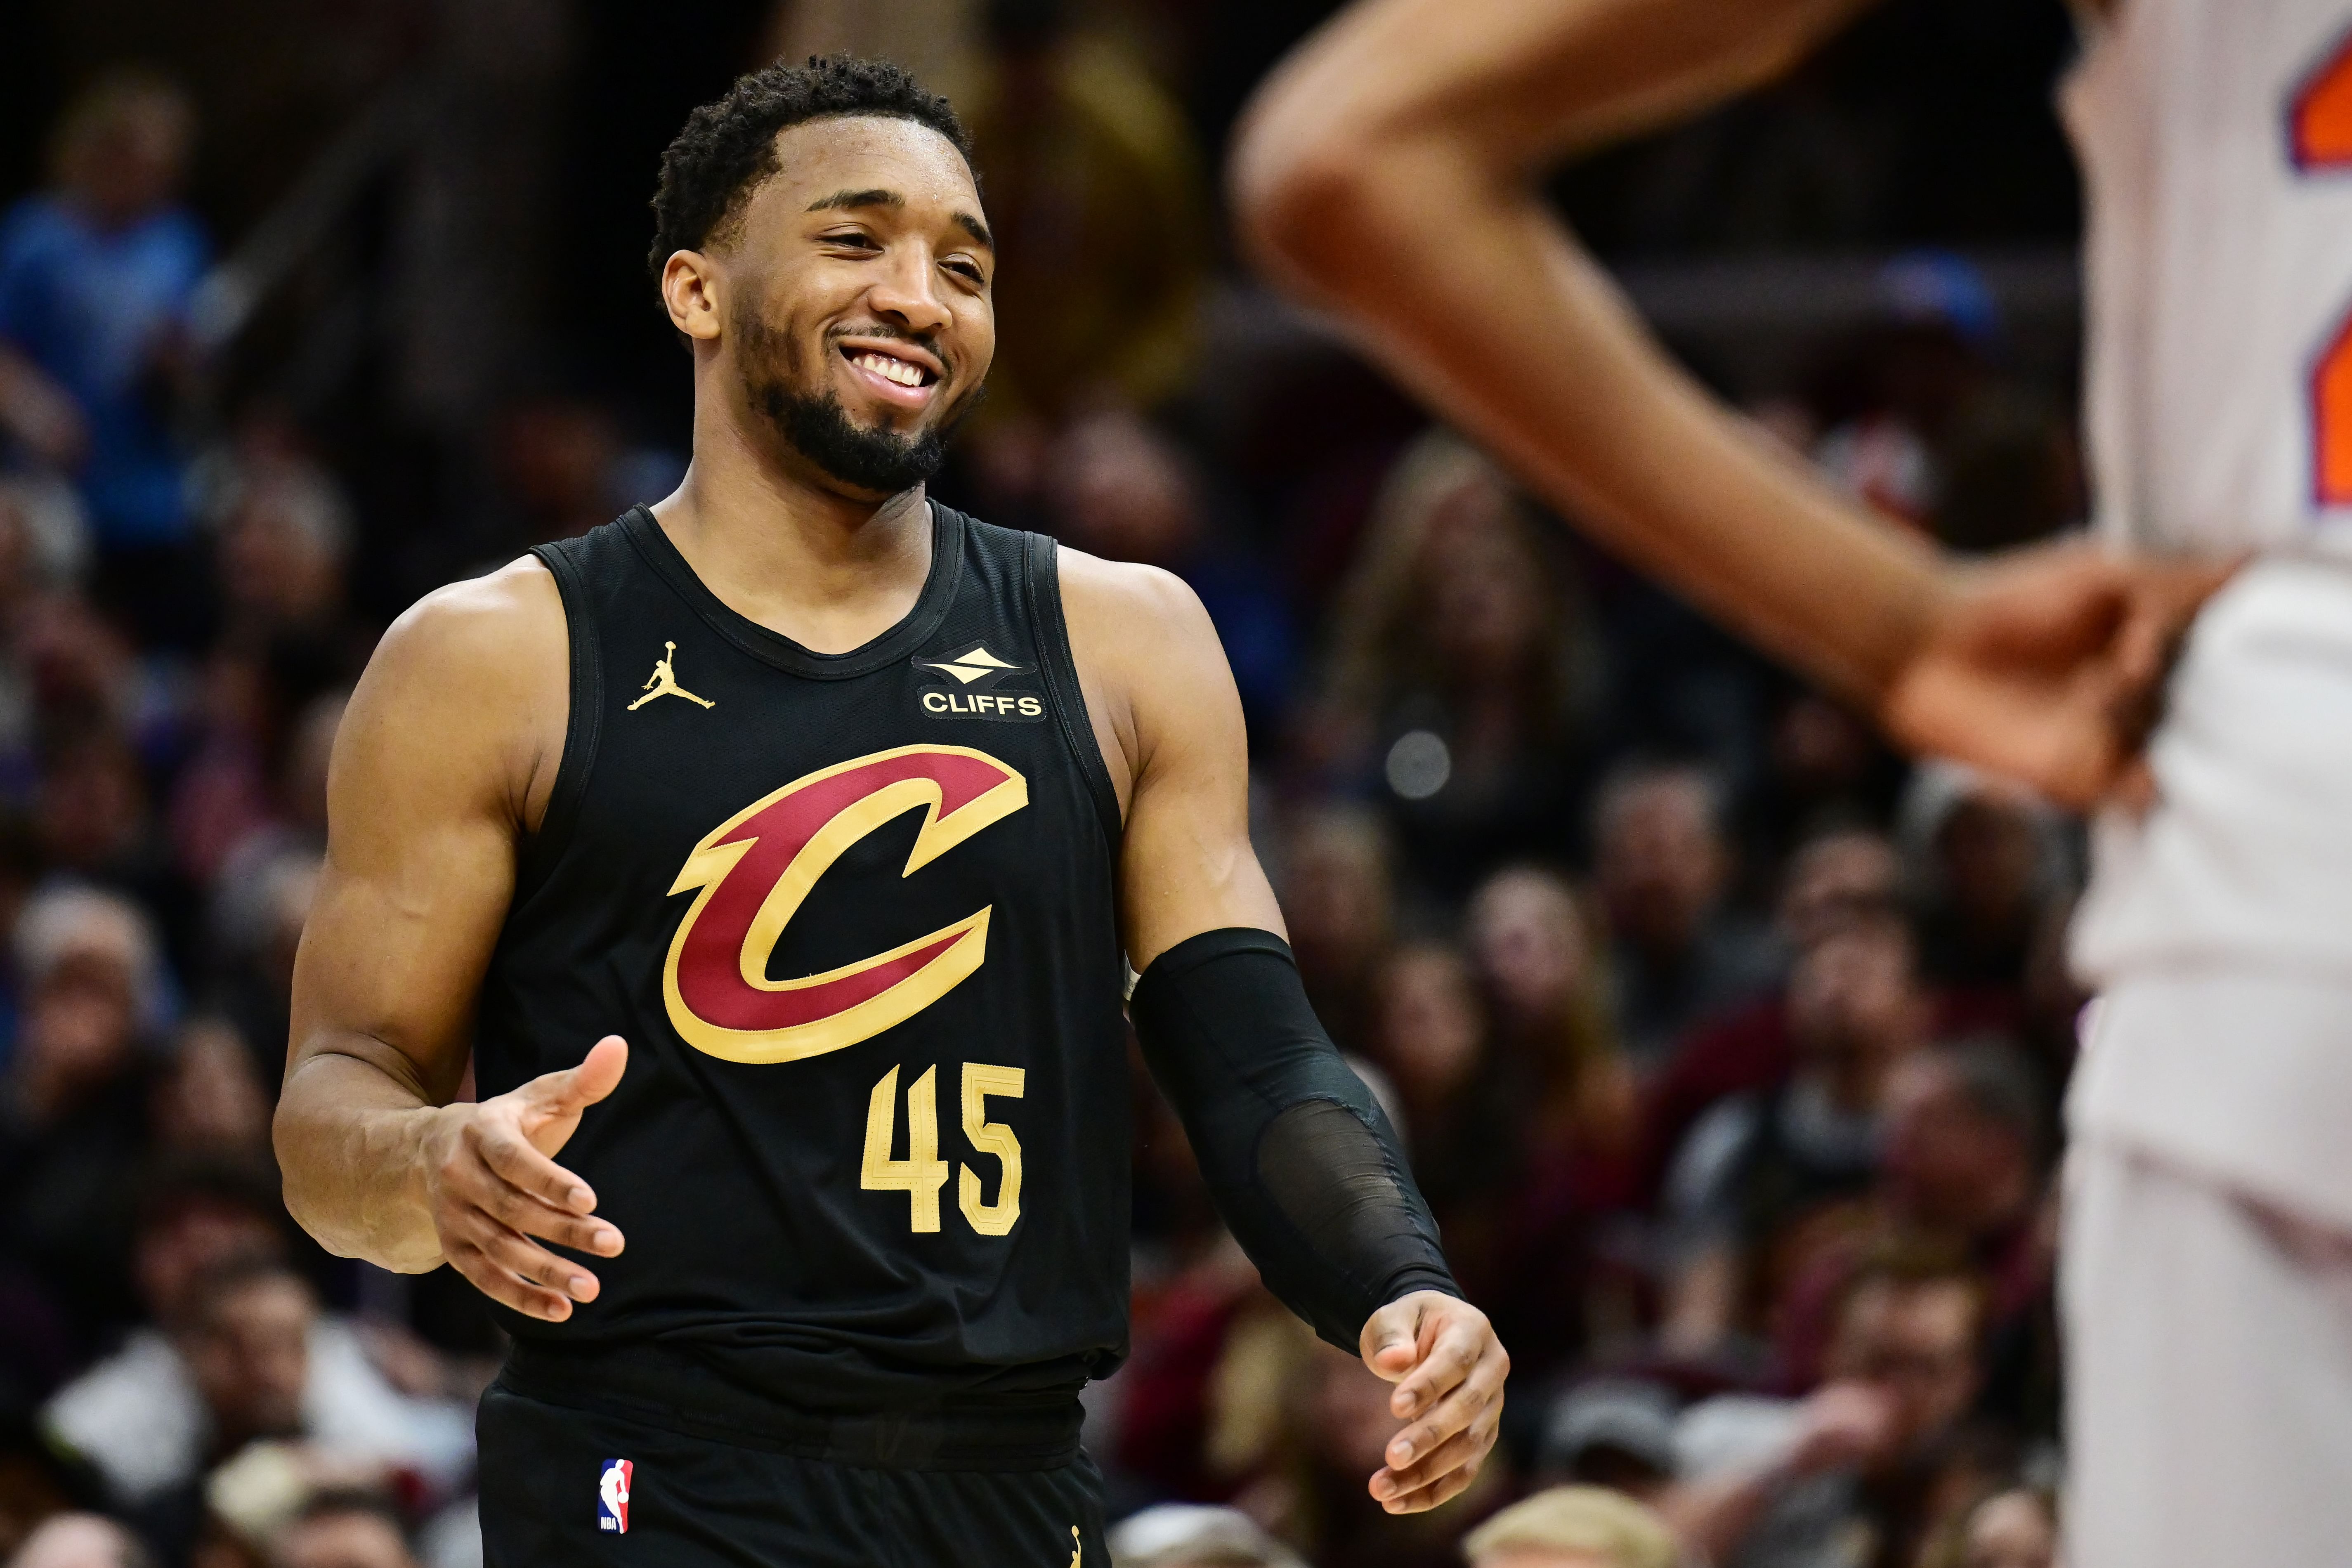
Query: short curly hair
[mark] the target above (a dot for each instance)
(729, 145)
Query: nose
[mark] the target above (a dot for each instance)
(907, 292)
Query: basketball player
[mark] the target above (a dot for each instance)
(2208, 1273)
(776, 849)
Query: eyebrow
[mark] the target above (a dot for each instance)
(879, 197)
(873, 198)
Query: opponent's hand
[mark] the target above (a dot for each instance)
(1448, 1368)
(2048, 667)
(492, 1186)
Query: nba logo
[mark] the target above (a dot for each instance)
(613, 1496)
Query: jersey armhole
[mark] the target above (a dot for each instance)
(1044, 583)
(582, 717)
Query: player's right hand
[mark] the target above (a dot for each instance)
(493, 1185)
(2047, 666)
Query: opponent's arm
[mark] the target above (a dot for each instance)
(447, 751)
(1390, 173)
(1305, 1167)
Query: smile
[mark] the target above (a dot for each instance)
(895, 370)
(903, 377)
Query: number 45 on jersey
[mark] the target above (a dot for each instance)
(922, 1172)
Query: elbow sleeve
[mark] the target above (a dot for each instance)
(1304, 1165)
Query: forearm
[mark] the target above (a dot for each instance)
(353, 1140)
(1302, 1163)
(1389, 175)
(1467, 288)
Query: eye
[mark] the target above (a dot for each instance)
(963, 268)
(849, 239)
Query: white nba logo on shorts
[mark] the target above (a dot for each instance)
(612, 1496)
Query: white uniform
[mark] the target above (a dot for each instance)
(2208, 1276)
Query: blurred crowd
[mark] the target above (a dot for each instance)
(1727, 1045)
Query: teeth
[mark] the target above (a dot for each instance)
(890, 369)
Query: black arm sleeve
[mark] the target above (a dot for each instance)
(1301, 1160)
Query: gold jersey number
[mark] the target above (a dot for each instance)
(921, 1173)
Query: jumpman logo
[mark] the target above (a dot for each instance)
(663, 682)
(1076, 1549)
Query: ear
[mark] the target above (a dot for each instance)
(693, 290)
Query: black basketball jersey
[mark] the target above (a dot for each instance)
(854, 915)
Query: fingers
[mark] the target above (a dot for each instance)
(530, 1215)
(572, 1089)
(506, 1154)
(1448, 1361)
(514, 1272)
(1439, 1475)
(1475, 1397)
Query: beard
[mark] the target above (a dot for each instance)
(815, 425)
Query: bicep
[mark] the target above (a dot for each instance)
(1186, 863)
(431, 768)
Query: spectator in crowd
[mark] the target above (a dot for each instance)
(1764, 1179)
(1182, 1535)
(1839, 873)
(74, 1122)
(1986, 860)
(1457, 679)
(1573, 1527)
(1434, 1044)
(1661, 867)
(1824, 767)
(1532, 947)
(1120, 488)
(284, 529)
(1963, 1170)
(209, 1102)
(247, 1357)
(82, 1540)
(1612, 1431)
(344, 1529)
(97, 278)
(1339, 898)
(1850, 1473)
(257, 918)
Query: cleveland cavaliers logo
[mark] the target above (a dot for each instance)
(756, 867)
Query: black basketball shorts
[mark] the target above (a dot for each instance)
(563, 1488)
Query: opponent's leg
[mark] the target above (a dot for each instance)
(2210, 1361)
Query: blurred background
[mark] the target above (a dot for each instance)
(1727, 1044)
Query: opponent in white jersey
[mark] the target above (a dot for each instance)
(1390, 175)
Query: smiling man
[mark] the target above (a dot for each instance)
(775, 850)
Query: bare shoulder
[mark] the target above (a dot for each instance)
(477, 676)
(1150, 658)
(484, 629)
(1119, 607)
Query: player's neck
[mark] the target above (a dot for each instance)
(829, 571)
